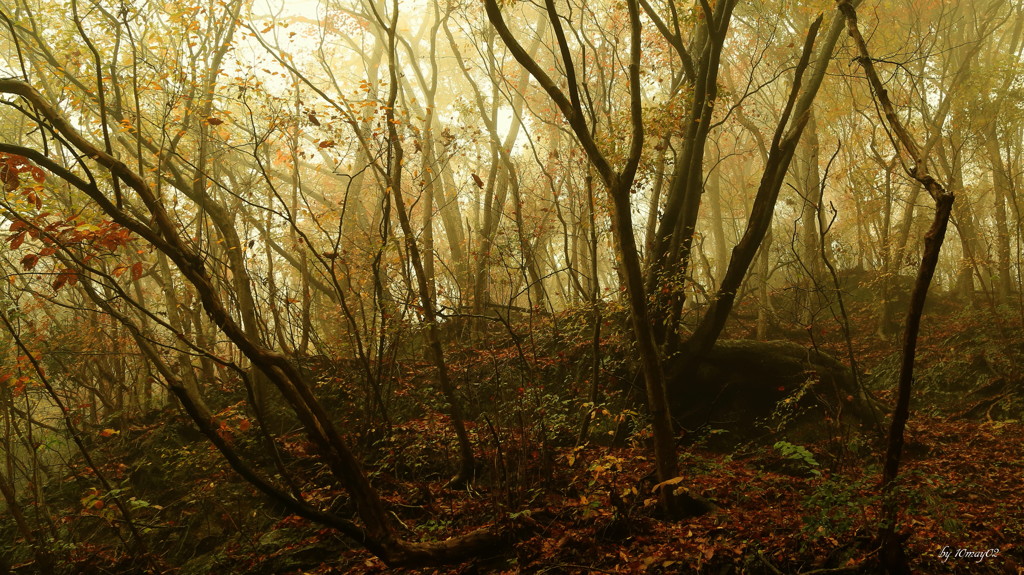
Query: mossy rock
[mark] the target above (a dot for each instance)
(765, 389)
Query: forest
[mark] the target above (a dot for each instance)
(494, 286)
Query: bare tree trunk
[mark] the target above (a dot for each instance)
(714, 191)
(765, 310)
(780, 154)
(670, 259)
(595, 302)
(809, 183)
(503, 177)
(1001, 185)
(424, 281)
(892, 556)
(619, 184)
(177, 322)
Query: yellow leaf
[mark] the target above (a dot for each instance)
(672, 481)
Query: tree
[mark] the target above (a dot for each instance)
(671, 249)
(328, 247)
(893, 560)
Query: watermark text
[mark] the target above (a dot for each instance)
(947, 553)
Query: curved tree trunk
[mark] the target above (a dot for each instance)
(376, 533)
(892, 557)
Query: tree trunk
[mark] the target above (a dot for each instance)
(1001, 185)
(424, 281)
(892, 557)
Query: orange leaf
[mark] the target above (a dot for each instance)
(326, 144)
(136, 271)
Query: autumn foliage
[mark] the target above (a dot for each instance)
(559, 287)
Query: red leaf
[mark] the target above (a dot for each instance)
(136, 271)
(326, 144)
(66, 276)
(214, 121)
(9, 175)
(29, 261)
(17, 240)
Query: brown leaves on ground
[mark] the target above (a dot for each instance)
(960, 491)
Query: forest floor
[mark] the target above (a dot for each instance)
(596, 514)
(777, 515)
(811, 508)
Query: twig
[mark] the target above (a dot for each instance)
(768, 564)
(587, 568)
(833, 570)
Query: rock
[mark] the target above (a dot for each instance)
(757, 389)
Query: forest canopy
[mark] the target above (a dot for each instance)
(441, 283)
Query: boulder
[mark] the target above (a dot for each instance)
(763, 390)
